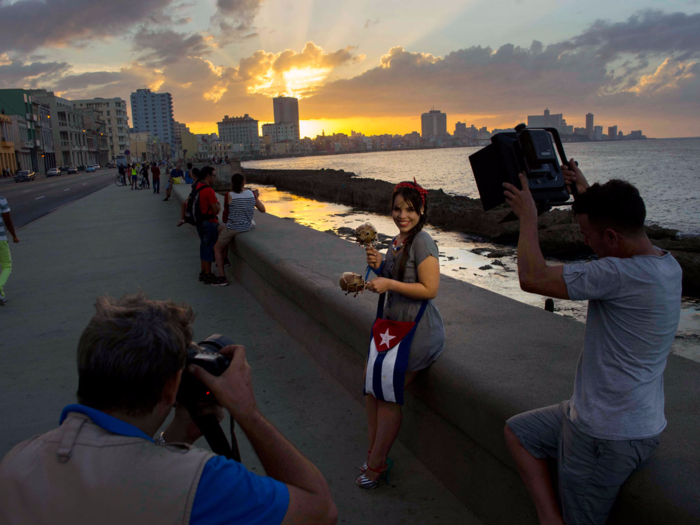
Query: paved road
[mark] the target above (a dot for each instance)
(31, 200)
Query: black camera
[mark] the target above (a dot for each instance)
(206, 354)
(532, 151)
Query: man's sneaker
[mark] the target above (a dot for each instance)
(220, 281)
(227, 263)
(209, 278)
(201, 276)
(3, 299)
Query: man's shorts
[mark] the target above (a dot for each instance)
(590, 470)
(226, 236)
(208, 234)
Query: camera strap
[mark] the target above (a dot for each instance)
(214, 434)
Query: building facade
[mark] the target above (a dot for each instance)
(433, 124)
(242, 131)
(589, 125)
(612, 133)
(113, 113)
(46, 153)
(282, 132)
(18, 104)
(153, 113)
(69, 134)
(8, 160)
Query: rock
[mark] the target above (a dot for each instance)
(497, 262)
(486, 267)
(344, 230)
(499, 253)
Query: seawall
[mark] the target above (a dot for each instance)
(502, 358)
(559, 234)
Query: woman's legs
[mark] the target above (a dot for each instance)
(383, 425)
(219, 255)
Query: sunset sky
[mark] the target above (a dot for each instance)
(370, 66)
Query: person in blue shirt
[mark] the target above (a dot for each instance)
(131, 359)
(174, 173)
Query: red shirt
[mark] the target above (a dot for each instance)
(156, 173)
(207, 198)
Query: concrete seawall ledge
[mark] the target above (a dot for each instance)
(502, 358)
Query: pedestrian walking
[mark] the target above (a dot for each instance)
(155, 170)
(134, 176)
(5, 257)
(174, 174)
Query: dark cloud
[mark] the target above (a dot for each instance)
(166, 46)
(16, 73)
(240, 12)
(27, 25)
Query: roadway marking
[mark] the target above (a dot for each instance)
(84, 183)
(26, 191)
(40, 197)
(66, 189)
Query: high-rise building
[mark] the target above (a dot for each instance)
(240, 130)
(460, 129)
(597, 132)
(153, 113)
(433, 124)
(113, 114)
(286, 111)
(281, 132)
(612, 132)
(589, 125)
(548, 120)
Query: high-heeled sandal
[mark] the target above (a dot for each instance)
(365, 483)
(363, 467)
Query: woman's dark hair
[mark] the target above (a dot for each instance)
(130, 349)
(412, 197)
(616, 205)
(237, 182)
(195, 173)
(204, 172)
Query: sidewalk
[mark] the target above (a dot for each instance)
(118, 241)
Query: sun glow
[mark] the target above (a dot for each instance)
(297, 82)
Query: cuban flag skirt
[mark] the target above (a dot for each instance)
(387, 360)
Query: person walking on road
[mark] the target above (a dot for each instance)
(174, 174)
(5, 257)
(156, 177)
(134, 176)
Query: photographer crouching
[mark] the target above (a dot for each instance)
(612, 423)
(101, 465)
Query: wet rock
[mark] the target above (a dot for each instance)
(344, 230)
(497, 262)
(499, 253)
(486, 267)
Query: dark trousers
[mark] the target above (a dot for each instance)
(156, 186)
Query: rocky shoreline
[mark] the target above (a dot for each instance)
(559, 233)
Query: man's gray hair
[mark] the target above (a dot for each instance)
(129, 350)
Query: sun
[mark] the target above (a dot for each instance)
(296, 82)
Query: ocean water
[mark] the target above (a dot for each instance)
(665, 172)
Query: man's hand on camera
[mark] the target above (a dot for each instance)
(573, 175)
(183, 430)
(521, 201)
(234, 388)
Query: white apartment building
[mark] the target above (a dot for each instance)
(113, 113)
(281, 132)
(240, 130)
(153, 113)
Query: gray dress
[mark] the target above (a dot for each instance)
(429, 340)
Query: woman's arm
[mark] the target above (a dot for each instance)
(258, 203)
(426, 287)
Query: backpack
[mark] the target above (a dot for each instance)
(193, 211)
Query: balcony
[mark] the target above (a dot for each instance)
(7, 144)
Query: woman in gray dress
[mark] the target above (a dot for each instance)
(409, 276)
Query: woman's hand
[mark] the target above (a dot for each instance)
(379, 285)
(374, 258)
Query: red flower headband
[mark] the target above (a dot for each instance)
(423, 192)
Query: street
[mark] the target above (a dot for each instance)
(31, 200)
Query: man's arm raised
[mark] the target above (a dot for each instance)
(310, 500)
(534, 274)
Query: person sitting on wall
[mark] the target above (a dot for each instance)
(102, 465)
(612, 423)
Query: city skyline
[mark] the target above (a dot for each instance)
(369, 67)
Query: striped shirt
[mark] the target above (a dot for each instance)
(4, 208)
(240, 211)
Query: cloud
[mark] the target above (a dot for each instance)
(16, 73)
(109, 83)
(235, 17)
(27, 25)
(369, 23)
(166, 46)
(644, 64)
